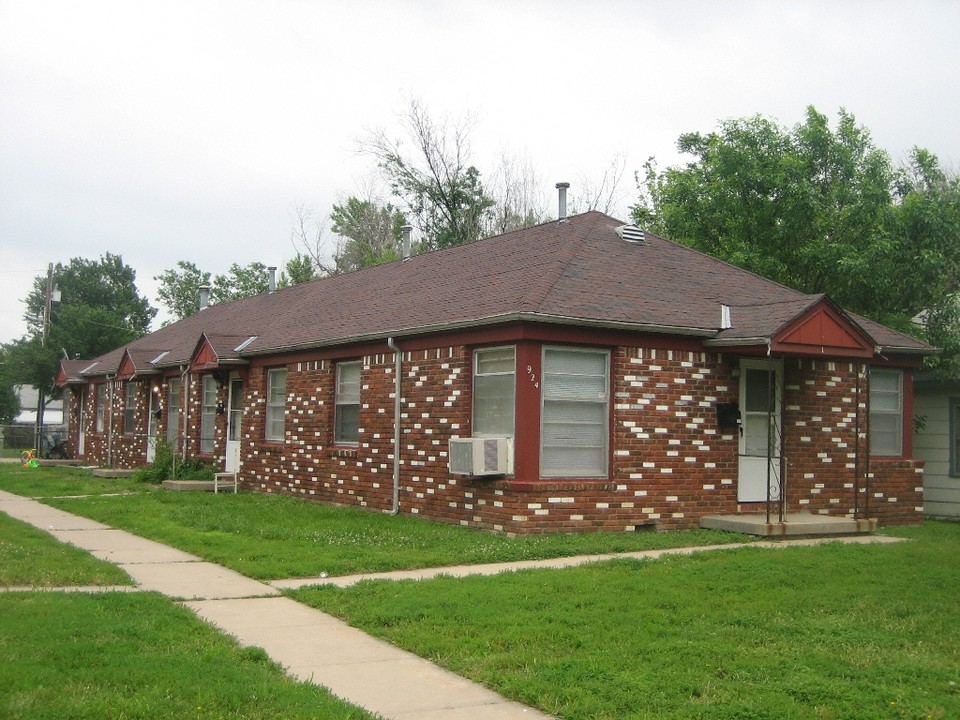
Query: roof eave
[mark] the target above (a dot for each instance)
(485, 322)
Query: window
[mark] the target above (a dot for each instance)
(886, 412)
(575, 413)
(954, 430)
(347, 424)
(276, 403)
(101, 407)
(173, 410)
(130, 408)
(494, 386)
(208, 414)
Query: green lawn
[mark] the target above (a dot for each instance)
(31, 557)
(836, 631)
(138, 656)
(268, 537)
(46, 482)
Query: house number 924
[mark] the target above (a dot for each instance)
(533, 376)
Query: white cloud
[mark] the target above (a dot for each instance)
(188, 130)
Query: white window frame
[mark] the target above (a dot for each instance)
(880, 412)
(130, 408)
(549, 405)
(347, 396)
(173, 410)
(486, 426)
(208, 415)
(276, 415)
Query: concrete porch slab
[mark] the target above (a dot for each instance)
(794, 525)
(188, 485)
(112, 473)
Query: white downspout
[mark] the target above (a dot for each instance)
(396, 424)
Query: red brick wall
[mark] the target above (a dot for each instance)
(670, 461)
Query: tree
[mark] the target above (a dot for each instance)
(299, 269)
(809, 207)
(440, 189)
(517, 194)
(241, 281)
(178, 289)
(9, 402)
(99, 309)
(370, 233)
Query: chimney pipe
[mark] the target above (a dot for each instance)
(204, 296)
(405, 247)
(562, 187)
(272, 280)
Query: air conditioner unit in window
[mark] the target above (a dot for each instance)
(481, 456)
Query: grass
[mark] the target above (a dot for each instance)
(835, 631)
(269, 537)
(50, 482)
(31, 557)
(138, 655)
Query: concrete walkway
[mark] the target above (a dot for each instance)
(312, 645)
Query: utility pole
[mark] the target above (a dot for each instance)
(41, 398)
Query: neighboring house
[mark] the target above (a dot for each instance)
(937, 443)
(576, 375)
(29, 408)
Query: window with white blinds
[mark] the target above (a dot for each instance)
(886, 412)
(575, 416)
(208, 413)
(494, 390)
(276, 404)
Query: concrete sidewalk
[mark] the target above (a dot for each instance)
(313, 646)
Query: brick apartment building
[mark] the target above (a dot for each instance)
(577, 375)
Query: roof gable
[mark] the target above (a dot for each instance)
(822, 330)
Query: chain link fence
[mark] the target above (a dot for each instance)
(16, 438)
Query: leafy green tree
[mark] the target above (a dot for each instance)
(370, 233)
(299, 269)
(241, 281)
(99, 309)
(441, 190)
(9, 402)
(820, 210)
(178, 289)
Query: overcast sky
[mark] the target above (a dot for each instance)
(166, 131)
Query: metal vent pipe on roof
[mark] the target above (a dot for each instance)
(204, 296)
(405, 246)
(272, 279)
(562, 187)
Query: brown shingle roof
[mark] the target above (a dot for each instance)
(578, 271)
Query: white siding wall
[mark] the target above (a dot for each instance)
(941, 493)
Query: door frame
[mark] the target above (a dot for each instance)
(231, 458)
(152, 426)
(759, 477)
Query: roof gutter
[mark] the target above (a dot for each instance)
(493, 320)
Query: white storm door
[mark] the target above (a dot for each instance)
(81, 434)
(152, 428)
(760, 430)
(234, 416)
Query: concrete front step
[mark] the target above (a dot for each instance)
(793, 525)
(191, 485)
(112, 473)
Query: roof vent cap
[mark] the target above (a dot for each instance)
(631, 234)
